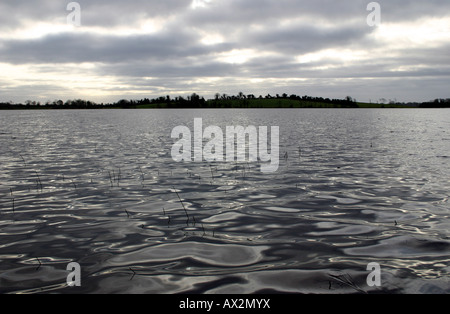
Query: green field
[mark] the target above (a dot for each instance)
(269, 103)
(372, 105)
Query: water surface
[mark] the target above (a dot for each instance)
(99, 188)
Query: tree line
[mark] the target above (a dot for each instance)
(437, 103)
(239, 100)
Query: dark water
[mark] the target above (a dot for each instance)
(98, 188)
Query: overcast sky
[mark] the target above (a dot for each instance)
(150, 48)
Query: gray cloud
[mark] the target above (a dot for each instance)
(80, 47)
(176, 58)
(305, 38)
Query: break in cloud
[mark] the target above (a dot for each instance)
(140, 48)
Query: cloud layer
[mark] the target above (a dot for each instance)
(138, 48)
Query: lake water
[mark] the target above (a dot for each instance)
(100, 188)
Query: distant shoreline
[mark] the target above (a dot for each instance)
(225, 102)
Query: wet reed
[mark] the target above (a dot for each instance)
(185, 211)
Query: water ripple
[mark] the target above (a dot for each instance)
(100, 188)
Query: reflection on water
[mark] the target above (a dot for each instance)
(97, 188)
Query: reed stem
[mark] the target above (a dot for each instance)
(185, 211)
